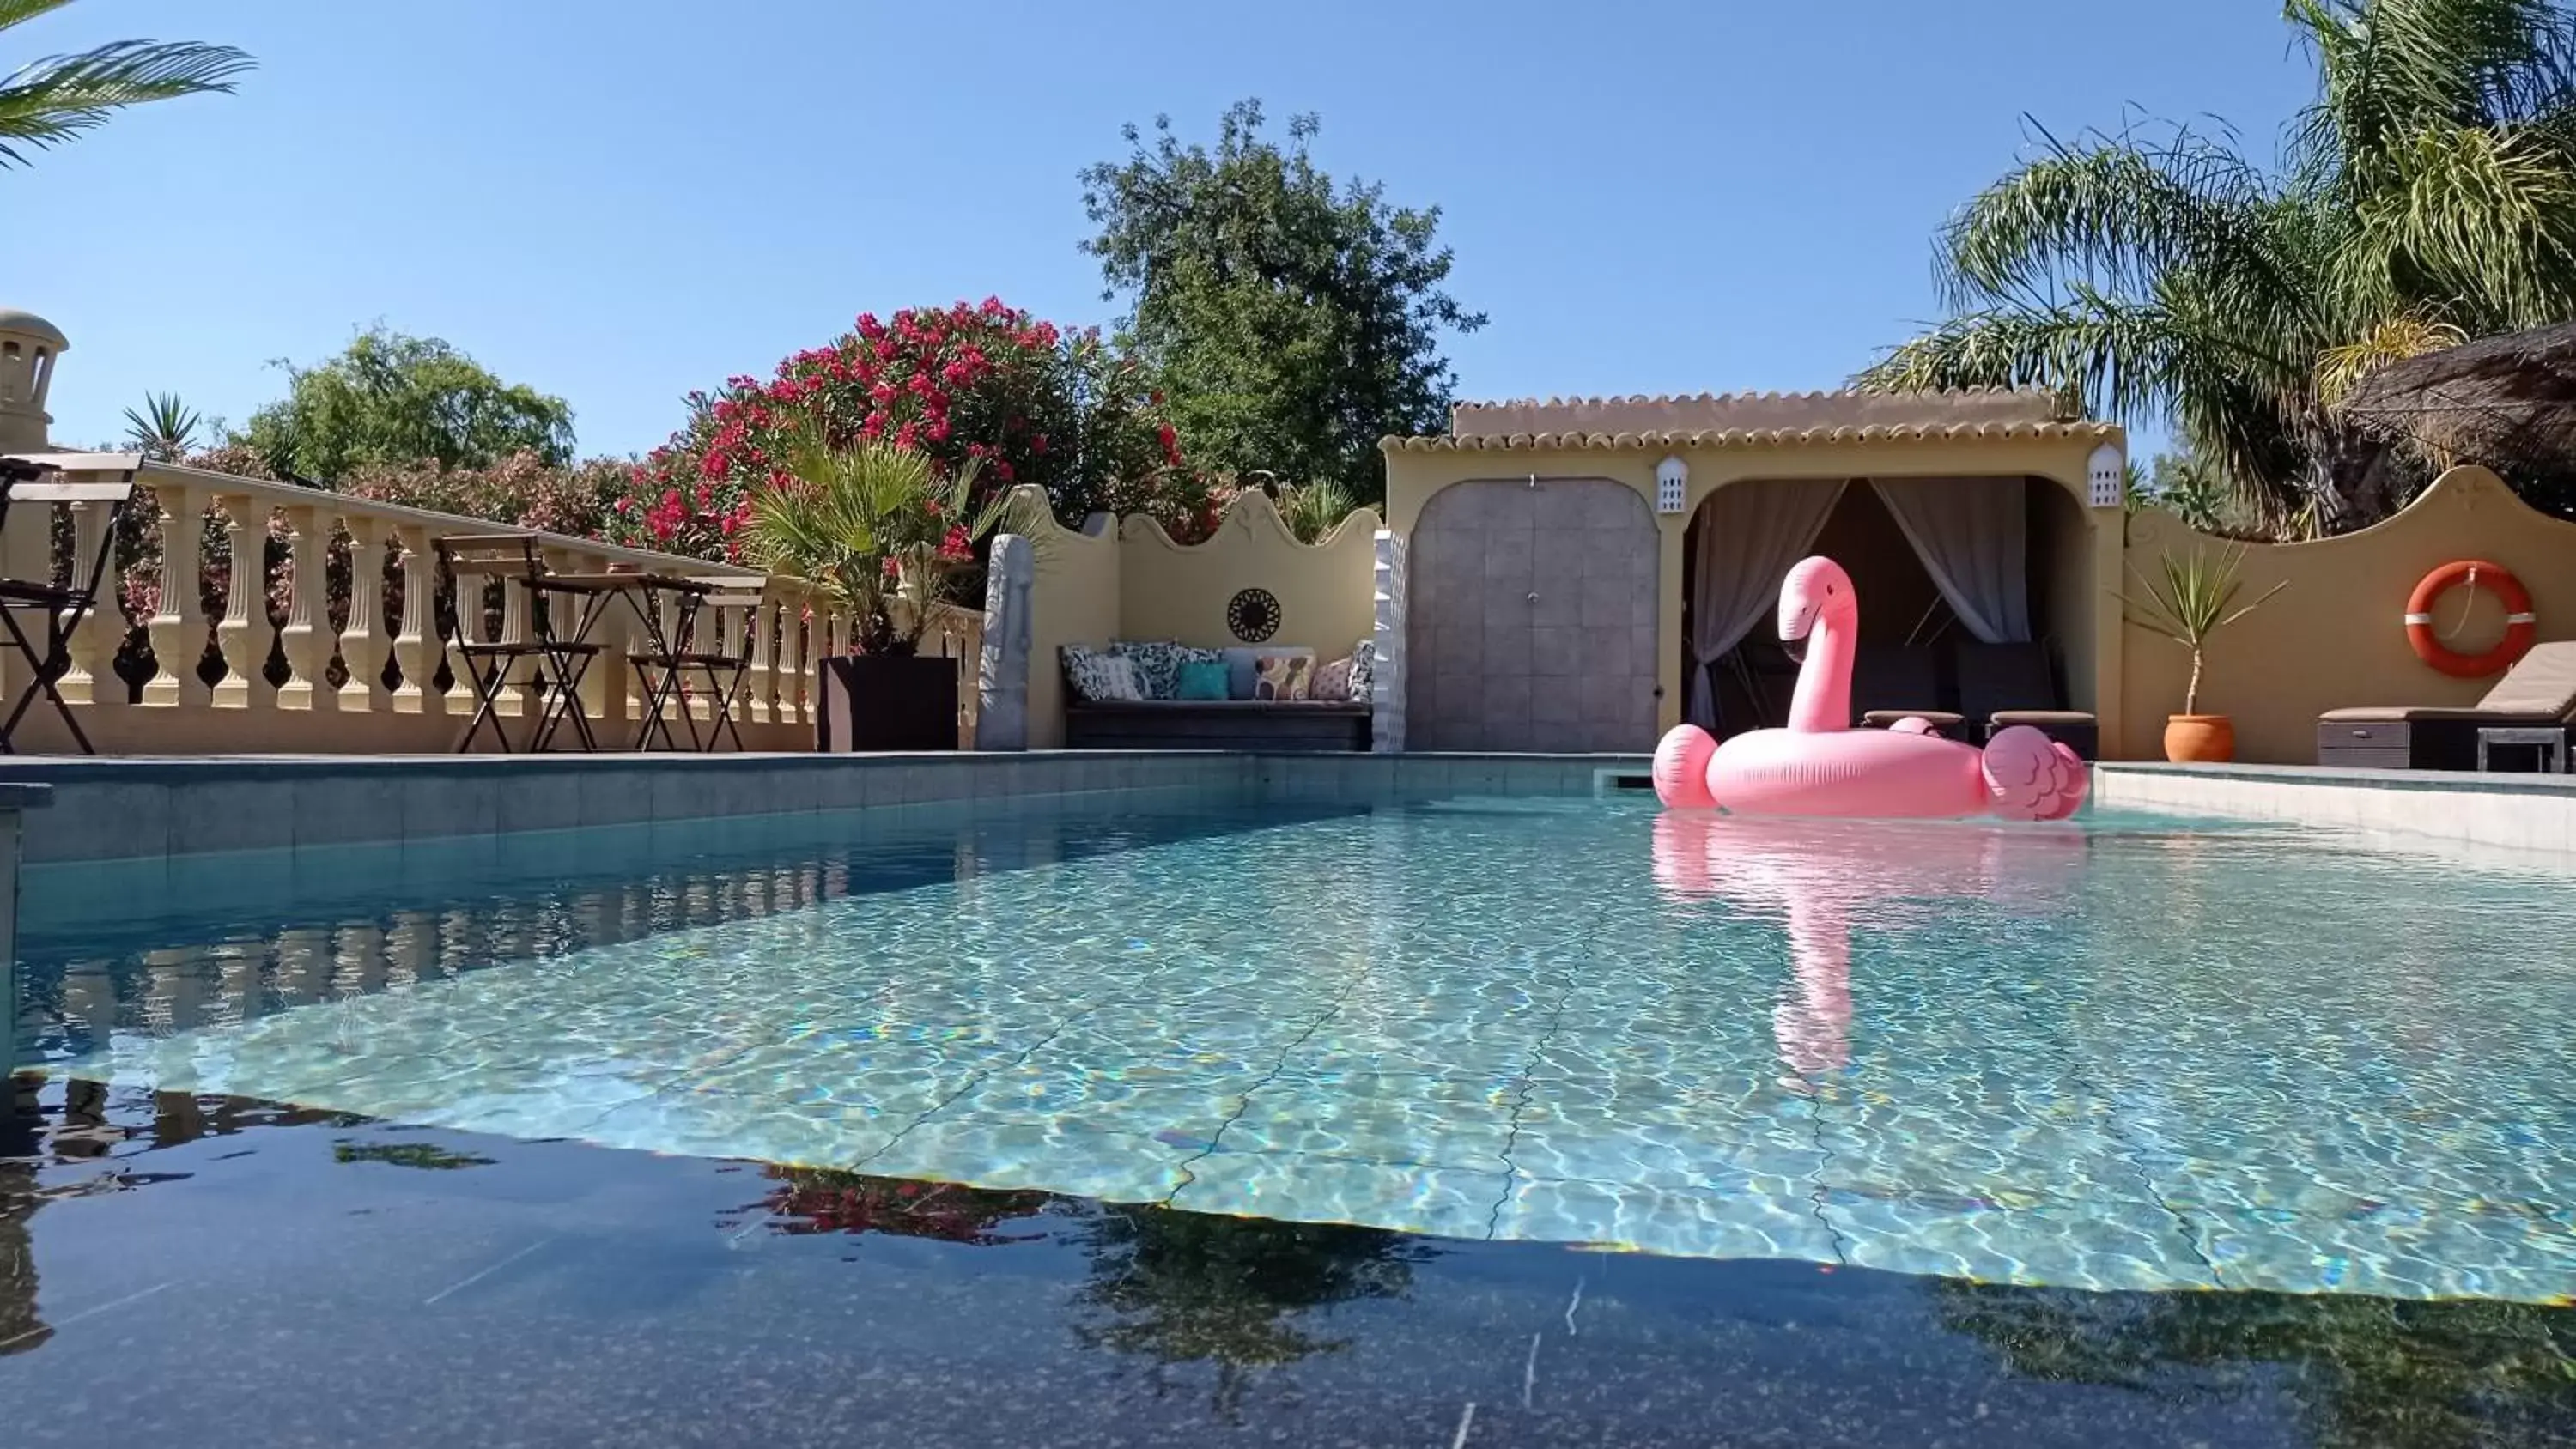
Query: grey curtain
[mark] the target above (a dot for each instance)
(1973, 536)
(1749, 535)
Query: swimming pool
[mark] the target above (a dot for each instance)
(2139, 1054)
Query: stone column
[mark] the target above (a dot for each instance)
(179, 626)
(1386, 683)
(418, 647)
(244, 635)
(1002, 665)
(363, 642)
(306, 637)
(92, 677)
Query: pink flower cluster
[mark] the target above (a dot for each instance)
(986, 383)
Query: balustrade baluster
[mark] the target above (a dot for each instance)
(306, 637)
(245, 634)
(760, 684)
(179, 621)
(418, 647)
(363, 645)
(92, 676)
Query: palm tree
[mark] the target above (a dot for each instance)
(877, 528)
(2427, 193)
(49, 101)
(164, 429)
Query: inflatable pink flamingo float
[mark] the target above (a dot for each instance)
(1820, 765)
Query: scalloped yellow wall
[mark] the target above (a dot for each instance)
(2335, 637)
(1174, 591)
(1133, 582)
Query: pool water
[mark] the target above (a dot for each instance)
(2131, 1054)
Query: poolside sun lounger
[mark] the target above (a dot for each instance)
(1891, 682)
(2002, 685)
(2539, 691)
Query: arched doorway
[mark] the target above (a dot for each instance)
(1531, 625)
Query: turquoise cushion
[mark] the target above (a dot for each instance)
(1202, 679)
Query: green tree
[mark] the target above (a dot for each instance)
(1290, 322)
(2426, 193)
(396, 399)
(49, 101)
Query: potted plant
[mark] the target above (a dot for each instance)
(875, 527)
(2190, 600)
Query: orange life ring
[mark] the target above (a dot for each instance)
(2519, 624)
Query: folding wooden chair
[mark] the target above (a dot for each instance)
(561, 658)
(664, 673)
(61, 607)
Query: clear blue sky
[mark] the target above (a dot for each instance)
(620, 200)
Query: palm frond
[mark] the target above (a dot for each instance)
(2393, 340)
(55, 99)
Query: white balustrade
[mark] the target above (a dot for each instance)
(390, 619)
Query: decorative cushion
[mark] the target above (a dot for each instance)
(1242, 661)
(1331, 683)
(1158, 664)
(1364, 671)
(1202, 679)
(1101, 678)
(1281, 677)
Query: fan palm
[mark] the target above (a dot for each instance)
(2427, 193)
(876, 528)
(49, 101)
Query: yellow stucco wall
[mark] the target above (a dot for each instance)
(1133, 582)
(2081, 555)
(1072, 600)
(2335, 636)
(1178, 591)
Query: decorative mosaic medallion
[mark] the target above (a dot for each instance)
(1253, 615)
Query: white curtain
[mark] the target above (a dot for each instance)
(1749, 535)
(1972, 535)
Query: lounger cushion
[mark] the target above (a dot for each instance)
(1880, 719)
(2039, 718)
(2399, 714)
(2542, 683)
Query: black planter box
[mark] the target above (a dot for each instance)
(888, 702)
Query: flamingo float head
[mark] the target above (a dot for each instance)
(1816, 591)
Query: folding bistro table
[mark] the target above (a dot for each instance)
(30, 487)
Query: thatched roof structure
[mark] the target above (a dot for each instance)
(2507, 402)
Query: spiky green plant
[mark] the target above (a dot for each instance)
(876, 528)
(2426, 193)
(1312, 510)
(164, 429)
(49, 101)
(2192, 597)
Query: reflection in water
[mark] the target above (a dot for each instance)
(1182, 1287)
(2369, 1373)
(1170, 1286)
(1820, 878)
(1248, 1297)
(827, 1200)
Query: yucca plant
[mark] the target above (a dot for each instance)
(50, 101)
(876, 528)
(2190, 599)
(1312, 510)
(164, 429)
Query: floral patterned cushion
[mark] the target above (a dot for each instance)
(1364, 671)
(1332, 682)
(1281, 676)
(1101, 678)
(1158, 664)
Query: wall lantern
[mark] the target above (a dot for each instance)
(2107, 475)
(1671, 476)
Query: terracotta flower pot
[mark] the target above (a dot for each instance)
(2202, 739)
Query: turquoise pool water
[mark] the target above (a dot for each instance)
(2134, 1054)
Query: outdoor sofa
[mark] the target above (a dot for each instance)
(1242, 721)
(1968, 692)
